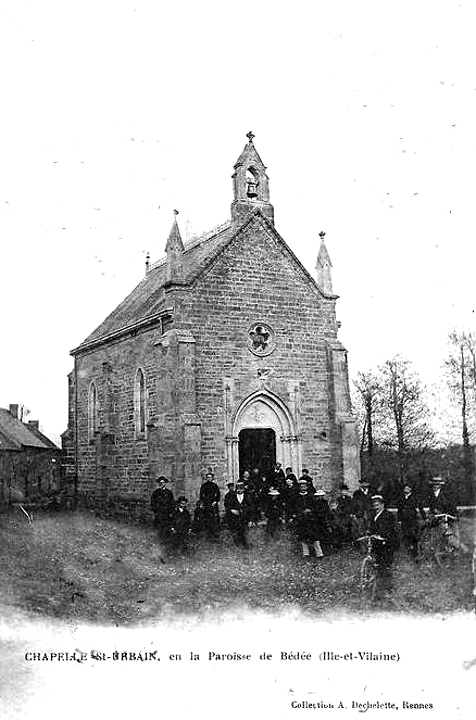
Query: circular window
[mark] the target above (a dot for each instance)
(261, 339)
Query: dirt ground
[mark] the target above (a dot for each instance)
(77, 566)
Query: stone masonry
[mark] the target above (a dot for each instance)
(230, 332)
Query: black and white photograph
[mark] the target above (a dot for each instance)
(238, 369)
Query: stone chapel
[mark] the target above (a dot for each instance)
(225, 357)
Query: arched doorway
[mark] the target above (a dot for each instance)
(263, 429)
(257, 449)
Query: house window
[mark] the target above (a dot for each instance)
(140, 403)
(93, 411)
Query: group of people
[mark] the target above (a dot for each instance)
(254, 500)
(284, 500)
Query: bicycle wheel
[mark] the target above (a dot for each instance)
(474, 578)
(368, 579)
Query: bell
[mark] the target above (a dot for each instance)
(252, 190)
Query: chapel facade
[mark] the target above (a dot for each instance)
(225, 357)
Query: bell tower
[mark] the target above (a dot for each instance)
(250, 185)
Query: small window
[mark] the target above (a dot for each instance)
(140, 403)
(93, 411)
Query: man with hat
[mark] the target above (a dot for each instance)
(273, 510)
(441, 502)
(440, 499)
(238, 512)
(361, 508)
(305, 521)
(181, 526)
(323, 519)
(384, 525)
(163, 506)
(411, 517)
(341, 512)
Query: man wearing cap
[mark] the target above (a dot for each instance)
(238, 512)
(411, 517)
(288, 492)
(384, 525)
(310, 484)
(163, 506)
(208, 504)
(278, 476)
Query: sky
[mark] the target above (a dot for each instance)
(115, 113)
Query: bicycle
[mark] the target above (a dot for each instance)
(437, 541)
(474, 579)
(24, 512)
(368, 569)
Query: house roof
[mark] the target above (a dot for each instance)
(147, 300)
(14, 434)
(40, 436)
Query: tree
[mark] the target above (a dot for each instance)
(394, 429)
(461, 377)
(407, 412)
(368, 389)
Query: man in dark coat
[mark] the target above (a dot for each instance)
(291, 476)
(362, 512)
(208, 500)
(278, 476)
(411, 517)
(323, 517)
(273, 509)
(181, 524)
(383, 524)
(163, 506)
(288, 493)
(238, 512)
(256, 489)
(305, 522)
(441, 501)
(341, 512)
(310, 484)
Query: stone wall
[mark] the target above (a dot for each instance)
(254, 279)
(199, 373)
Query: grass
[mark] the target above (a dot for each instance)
(79, 567)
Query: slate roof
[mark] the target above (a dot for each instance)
(147, 298)
(14, 434)
(45, 440)
(249, 154)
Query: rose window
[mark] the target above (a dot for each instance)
(261, 339)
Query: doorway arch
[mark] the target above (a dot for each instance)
(264, 410)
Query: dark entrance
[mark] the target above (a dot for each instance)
(257, 448)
